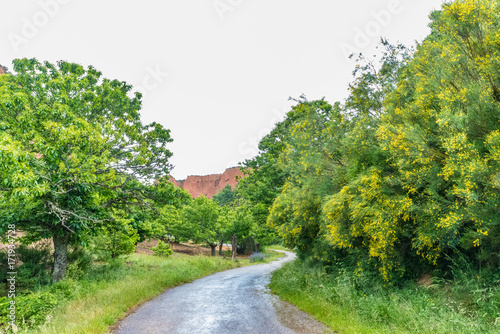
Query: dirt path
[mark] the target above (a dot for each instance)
(234, 301)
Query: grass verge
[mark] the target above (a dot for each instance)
(343, 305)
(277, 247)
(106, 294)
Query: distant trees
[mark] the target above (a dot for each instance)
(226, 196)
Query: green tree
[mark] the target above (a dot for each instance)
(201, 221)
(226, 196)
(169, 201)
(442, 130)
(264, 179)
(404, 175)
(364, 217)
(72, 147)
(310, 160)
(116, 240)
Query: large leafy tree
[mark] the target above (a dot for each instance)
(201, 222)
(72, 150)
(364, 218)
(309, 162)
(265, 178)
(166, 218)
(412, 159)
(442, 129)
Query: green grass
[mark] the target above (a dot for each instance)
(104, 295)
(277, 247)
(346, 307)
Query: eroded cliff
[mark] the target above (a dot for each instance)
(209, 185)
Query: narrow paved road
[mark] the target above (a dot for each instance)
(233, 301)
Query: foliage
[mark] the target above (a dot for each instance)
(162, 249)
(441, 127)
(264, 180)
(402, 178)
(201, 221)
(120, 240)
(168, 204)
(80, 261)
(226, 196)
(72, 152)
(257, 257)
(31, 309)
(34, 271)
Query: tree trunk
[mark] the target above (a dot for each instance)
(220, 247)
(213, 246)
(234, 245)
(257, 246)
(60, 256)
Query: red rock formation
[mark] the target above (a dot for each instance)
(208, 185)
(2, 70)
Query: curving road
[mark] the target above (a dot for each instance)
(233, 301)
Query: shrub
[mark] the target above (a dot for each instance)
(79, 262)
(246, 246)
(4, 269)
(114, 243)
(162, 249)
(34, 271)
(30, 310)
(257, 257)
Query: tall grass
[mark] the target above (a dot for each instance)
(350, 303)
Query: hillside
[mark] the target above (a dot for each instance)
(209, 185)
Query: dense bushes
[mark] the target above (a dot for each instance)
(402, 178)
(35, 297)
(33, 308)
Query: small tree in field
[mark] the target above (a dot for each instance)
(201, 221)
(72, 148)
(169, 201)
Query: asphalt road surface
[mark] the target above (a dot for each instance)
(233, 301)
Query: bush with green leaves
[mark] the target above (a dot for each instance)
(115, 242)
(30, 310)
(35, 270)
(34, 263)
(257, 257)
(163, 249)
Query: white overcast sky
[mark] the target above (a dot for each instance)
(217, 73)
